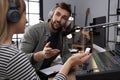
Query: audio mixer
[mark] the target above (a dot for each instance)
(101, 66)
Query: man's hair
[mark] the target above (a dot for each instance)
(65, 6)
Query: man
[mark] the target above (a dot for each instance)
(37, 36)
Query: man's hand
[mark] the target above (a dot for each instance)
(49, 52)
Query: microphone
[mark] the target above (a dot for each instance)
(66, 32)
(72, 30)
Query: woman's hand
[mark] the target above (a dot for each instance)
(76, 59)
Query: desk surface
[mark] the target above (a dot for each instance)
(72, 75)
(104, 65)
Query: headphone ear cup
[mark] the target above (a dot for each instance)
(13, 15)
(50, 14)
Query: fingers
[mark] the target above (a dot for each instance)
(79, 55)
(47, 49)
(80, 58)
(85, 57)
(48, 44)
(51, 52)
(54, 51)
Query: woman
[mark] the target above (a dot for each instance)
(14, 65)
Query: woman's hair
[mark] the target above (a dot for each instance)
(4, 7)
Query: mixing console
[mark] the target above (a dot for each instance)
(101, 66)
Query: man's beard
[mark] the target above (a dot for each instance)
(52, 26)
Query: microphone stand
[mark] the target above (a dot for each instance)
(110, 24)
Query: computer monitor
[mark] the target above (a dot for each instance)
(99, 33)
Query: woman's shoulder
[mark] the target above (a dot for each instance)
(8, 51)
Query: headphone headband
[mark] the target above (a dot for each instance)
(11, 4)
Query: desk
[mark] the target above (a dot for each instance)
(102, 66)
(72, 75)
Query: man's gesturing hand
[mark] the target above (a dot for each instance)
(49, 52)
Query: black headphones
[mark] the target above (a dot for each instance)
(13, 14)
